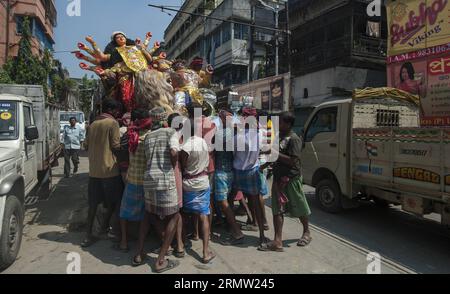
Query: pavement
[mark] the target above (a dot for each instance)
(55, 228)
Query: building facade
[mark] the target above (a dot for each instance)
(335, 45)
(42, 15)
(226, 45)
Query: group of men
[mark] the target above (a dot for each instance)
(152, 171)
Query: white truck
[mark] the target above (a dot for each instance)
(29, 147)
(372, 147)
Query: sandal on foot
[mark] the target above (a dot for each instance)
(267, 247)
(232, 241)
(250, 228)
(193, 238)
(136, 262)
(207, 261)
(171, 264)
(266, 228)
(158, 250)
(304, 241)
(118, 248)
(179, 254)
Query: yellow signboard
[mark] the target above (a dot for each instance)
(6, 116)
(417, 174)
(417, 24)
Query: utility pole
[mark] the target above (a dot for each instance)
(277, 41)
(252, 42)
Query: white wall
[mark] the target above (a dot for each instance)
(319, 83)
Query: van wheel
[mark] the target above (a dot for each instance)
(12, 227)
(329, 196)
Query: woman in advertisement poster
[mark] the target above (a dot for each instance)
(410, 81)
(276, 92)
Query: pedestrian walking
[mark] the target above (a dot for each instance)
(73, 139)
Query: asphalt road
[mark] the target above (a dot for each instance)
(422, 245)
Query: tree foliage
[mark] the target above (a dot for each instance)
(86, 93)
(26, 68)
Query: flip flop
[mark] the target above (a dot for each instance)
(135, 263)
(266, 228)
(250, 228)
(157, 250)
(118, 248)
(171, 264)
(179, 254)
(232, 241)
(267, 247)
(191, 237)
(208, 261)
(304, 241)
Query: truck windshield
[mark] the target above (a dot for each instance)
(8, 120)
(65, 116)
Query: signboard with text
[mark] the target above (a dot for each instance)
(419, 55)
(417, 24)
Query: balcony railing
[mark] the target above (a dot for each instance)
(369, 47)
(321, 55)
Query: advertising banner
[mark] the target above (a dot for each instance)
(429, 78)
(417, 24)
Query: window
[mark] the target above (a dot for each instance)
(241, 32)
(373, 29)
(226, 33)
(388, 118)
(19, 24)
(27, 116)
(8, 120)
(216, 38)
(325, 121)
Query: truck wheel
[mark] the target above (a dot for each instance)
(329, 195)
(12, 227)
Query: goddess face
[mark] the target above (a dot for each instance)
(120, 40)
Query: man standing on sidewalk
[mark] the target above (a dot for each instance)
(73, 138)
(287, 190)
(105, 182)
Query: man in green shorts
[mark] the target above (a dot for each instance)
(287, 190)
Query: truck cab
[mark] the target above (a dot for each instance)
(326, 154)
(18, 170)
